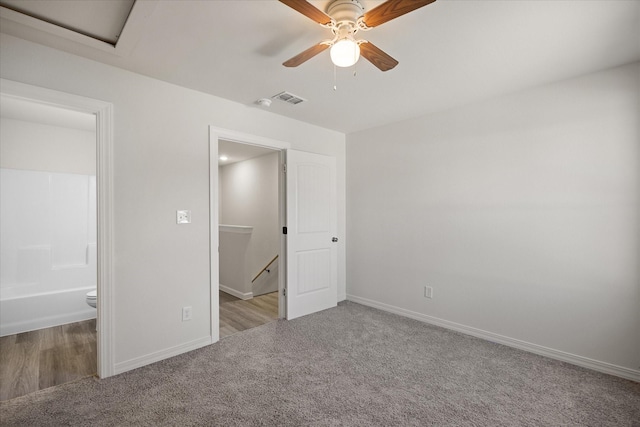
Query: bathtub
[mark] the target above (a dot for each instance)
(23, 313)
(48, 249)
(47, 295)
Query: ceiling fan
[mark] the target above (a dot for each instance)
(345, 18)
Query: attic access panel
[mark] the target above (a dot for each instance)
(102, 20)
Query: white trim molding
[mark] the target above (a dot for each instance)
(104, 162)
(244, 138)
(596, 365)
(237, 294)
(147, 359)
(238, 229)
(214, 236)
(216, 134)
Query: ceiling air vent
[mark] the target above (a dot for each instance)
(289, 98)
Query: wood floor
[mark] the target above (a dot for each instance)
(237, 315)
(34, 360)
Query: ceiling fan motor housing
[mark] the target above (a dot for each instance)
(345, 12)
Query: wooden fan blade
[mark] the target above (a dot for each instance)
(306, 55)
(308, 10)
(377, 57)
(391, 9)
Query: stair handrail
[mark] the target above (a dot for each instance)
(266, 267)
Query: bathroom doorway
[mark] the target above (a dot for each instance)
(249, 235)
(56, 224)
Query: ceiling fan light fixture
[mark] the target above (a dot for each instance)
(345, 52)
(345, 18)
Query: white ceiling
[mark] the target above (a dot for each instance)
(100, 19)
(451, 53)
(236, 152)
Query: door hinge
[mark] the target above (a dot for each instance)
(284, 292)
(284, 168)
(284, 230)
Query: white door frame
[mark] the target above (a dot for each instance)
(104, 180)
(216, 134)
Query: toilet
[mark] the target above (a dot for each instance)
(92, 298)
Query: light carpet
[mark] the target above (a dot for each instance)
(351, 365)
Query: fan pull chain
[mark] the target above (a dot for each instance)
(335, 75)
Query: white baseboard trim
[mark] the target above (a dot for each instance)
(157, 356)
(596, 365)
(235, 293)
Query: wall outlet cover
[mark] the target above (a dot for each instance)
(187, 313)
(183, 217)
(428, 292)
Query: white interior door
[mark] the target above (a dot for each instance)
(312, 274)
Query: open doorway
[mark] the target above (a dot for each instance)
(100, 114)
(307, 217)
(48, 221)
(249, 236)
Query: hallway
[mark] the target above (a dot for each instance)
(238, 315)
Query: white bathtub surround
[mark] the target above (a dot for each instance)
(29, 312)
(49, 262)
(235, 278)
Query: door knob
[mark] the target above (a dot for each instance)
(334, 239)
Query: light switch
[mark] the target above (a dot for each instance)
(183, 217)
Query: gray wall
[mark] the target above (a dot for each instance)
(161, 164)
(42, 147)
(249, 195)
(521, 212)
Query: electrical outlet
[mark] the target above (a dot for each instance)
(187, 312)
(183, 217)
(428, 292)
